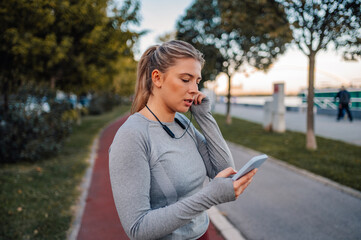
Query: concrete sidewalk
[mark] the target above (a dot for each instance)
(325, 126)
(97, 217)
(284, 202)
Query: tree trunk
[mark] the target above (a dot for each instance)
(311, 143)
(78, 120)
(78, 110)
(228, 114)
(52, 82)
(6, 102)
(6, 96)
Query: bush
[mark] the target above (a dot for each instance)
(103, 102)
(34, 126)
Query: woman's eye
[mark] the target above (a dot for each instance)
(185, 80)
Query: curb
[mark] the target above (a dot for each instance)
(221, 223)
(85, 184)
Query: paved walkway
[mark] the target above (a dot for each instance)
(284, 202)
(325, 126)
(100, 219)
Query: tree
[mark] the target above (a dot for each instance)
(236, 32)
(23, 34)
(259, 30)
(99, 39)
(201, 27)
(165, 37)
(124, 80)
(100, 46)
(316, 26)
(71, 45)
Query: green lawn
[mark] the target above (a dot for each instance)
(335, 160)
(36, 198)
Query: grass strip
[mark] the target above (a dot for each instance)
(333, 159)
(36, 198)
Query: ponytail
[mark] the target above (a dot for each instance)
(143, 87)
(159, 57)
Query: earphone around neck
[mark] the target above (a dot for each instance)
(170, 133)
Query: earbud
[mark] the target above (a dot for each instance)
(180, 123)
(170, 133)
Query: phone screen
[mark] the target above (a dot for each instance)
(255, 162)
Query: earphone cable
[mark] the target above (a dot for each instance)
(166, 126)
(189, 123)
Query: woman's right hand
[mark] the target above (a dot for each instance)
(241, 184)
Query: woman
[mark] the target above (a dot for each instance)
(159, 161)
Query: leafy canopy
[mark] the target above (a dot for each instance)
(74, 45)
(316, 24)
(230, 33)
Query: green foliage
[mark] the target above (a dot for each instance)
(201, 27)
(232, 32)
(168, 36)
(124, 80)
(37, 200)
(72, 115)
(260, 30)
(103, 102)
(71, 45)
(316, 24)
(100, 46)
(26, 41)
(335, 160)
(33, 127)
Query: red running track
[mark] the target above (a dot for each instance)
(100, 219)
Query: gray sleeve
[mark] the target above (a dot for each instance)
(130, 181)
(212, 146)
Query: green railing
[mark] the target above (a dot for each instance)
(326, 99)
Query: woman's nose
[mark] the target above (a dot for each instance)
(193, 88)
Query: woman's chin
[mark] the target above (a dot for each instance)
(183, 109)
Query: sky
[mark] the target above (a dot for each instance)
(160, 16)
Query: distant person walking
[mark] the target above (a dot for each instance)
(344, 100)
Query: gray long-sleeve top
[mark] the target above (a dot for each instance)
(157, 181)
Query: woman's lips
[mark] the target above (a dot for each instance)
(188, 102)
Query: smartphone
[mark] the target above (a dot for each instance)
(255, 162)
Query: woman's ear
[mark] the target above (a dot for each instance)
(157, 78)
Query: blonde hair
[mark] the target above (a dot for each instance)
(159, 57)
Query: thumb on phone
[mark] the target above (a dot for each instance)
(226, 172)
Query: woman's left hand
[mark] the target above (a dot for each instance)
(242, 183)
(198, 98)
